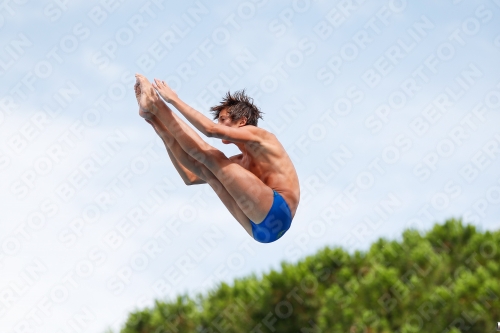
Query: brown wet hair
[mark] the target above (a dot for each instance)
(238, 105)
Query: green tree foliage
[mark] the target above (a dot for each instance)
(446, 281)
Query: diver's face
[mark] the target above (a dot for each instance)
(225, 119)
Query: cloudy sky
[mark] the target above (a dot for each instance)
(390, 111)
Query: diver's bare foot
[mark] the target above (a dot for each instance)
(145, 94)
(145, 115)
(142, 113)
(137, 90)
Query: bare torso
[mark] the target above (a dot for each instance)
(269, 161)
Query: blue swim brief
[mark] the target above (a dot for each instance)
(276, 223)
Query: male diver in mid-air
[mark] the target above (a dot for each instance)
(259, 187)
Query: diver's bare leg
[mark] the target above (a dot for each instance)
(253, 196)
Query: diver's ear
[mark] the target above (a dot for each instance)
(242, 121)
